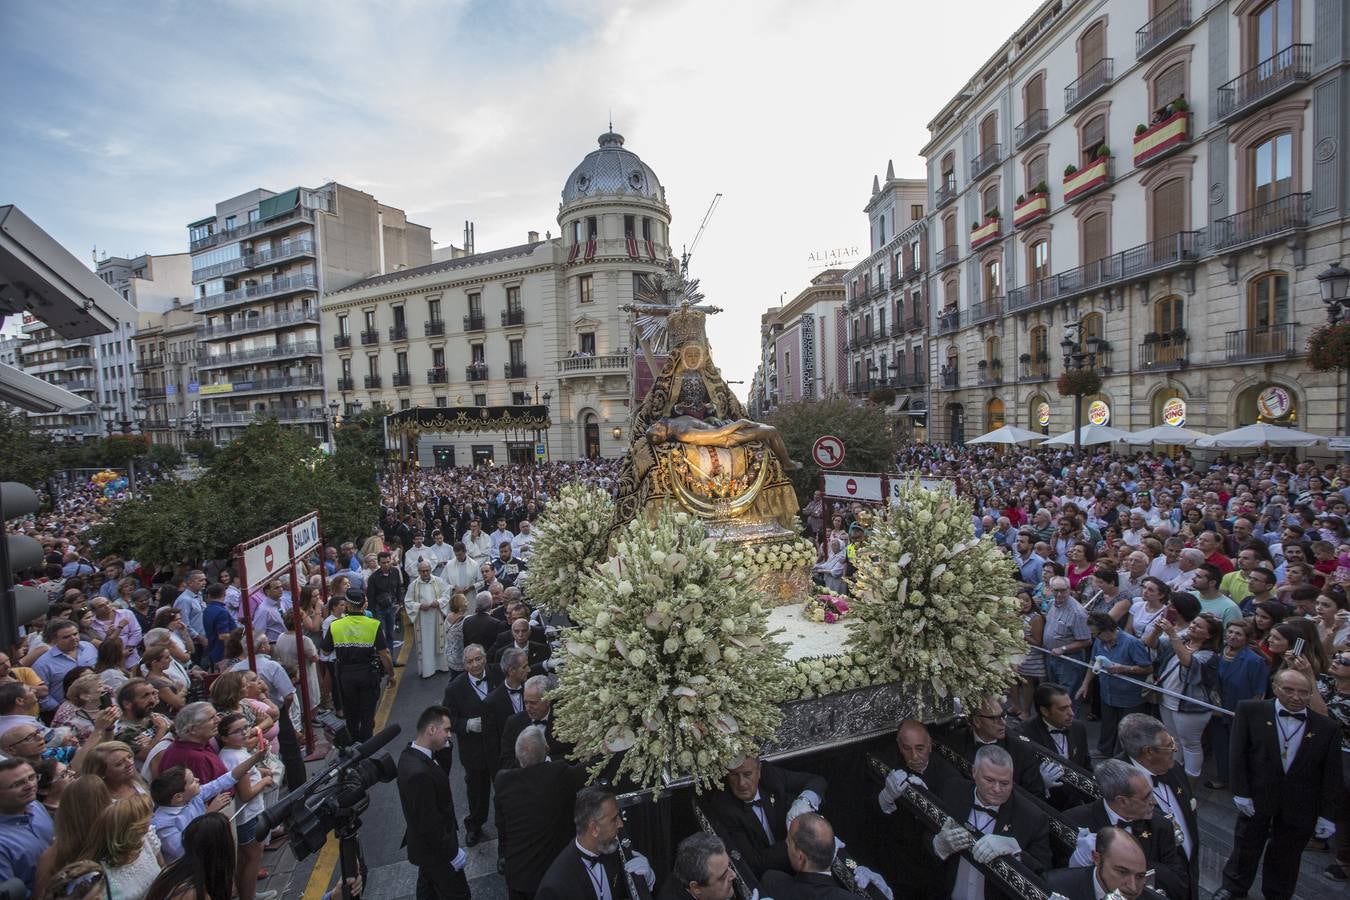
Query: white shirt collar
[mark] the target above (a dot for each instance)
(417, 746)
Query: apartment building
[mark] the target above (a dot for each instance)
(538, 323)
(259, 265)
(802, 346)
(167, 383)
(1149, 189)
(887, 306)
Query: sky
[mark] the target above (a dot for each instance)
(127, 120)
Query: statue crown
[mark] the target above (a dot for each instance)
(685, 326)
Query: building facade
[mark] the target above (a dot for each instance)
(802, 347)
(1147, 189)
(259, 265)
(541, 322)
(886, 314)
(166, 364)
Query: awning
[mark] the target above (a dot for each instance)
(901, 403)
(281, 203)
(471, 419)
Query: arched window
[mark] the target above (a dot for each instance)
(1168, 315)
(1167, 345)
(1167, 205)
(1040, 352)
(989, 199)
(988, 132)
(1272, 29)
(1033, 97)
(1037, 172)
(1268, 315)
(1272, 168)
(951, 293)
(1038, 260)
(948, 167)
(1167, 86)
(993, 279)
(1096, 230)
(1091, 47)
(1092, 137)
(1267, 403)
(993, 414)
(949, 230)
(1160, 400)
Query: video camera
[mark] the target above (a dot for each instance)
(334, 799)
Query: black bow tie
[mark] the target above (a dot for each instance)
(991, 813)
(514, 690)
(758, 801)
(1059, 731)
(542, 723)
(1158, 782)
(1136, 826)
(1301, 716)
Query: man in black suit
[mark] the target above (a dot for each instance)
(1286, 783)
(482, 627)
(465, 697)
(754, 810)
(1008, 824)
(538, 711)
(989, 726)
(1148, 747)
(1118, 864)
(702, 871)
(534, 813)
(1054, 726)
(520, 635)
(589, 867)
(904, 863)
(810, 850)
(506, 700)
(429, 810)
(1128, 804)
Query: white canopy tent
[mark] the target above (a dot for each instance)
(1261, 434)
(1166, 434)
(1008, 434)
(1090, 434)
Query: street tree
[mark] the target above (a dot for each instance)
(862, 427)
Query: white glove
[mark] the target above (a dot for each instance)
(550, 665)
(461, 859)
(866, 877)
(953, 838)
(838, 845)
(1052, 773)
(895, 786)
(1245, 806)
(806, 802)
(474, 725)
(992, 846)
(1325, 829)
(1083, 849)
(638, 865)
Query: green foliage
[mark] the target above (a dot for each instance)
(204, 450)
(863, 428)
(365, 433)
(166, 456)
(26, 456)
(1329, 348)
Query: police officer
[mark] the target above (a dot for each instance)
(362, 656)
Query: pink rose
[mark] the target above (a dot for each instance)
(830, 618)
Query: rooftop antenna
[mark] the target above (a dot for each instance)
(689, 251)
(611, 120)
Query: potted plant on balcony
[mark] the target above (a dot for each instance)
(1152, 337)
(983, 364)
(1329, 347)
(1024, 358)
(1043, 357)
(1078, 383)
(1177, 334)
(1041, 188)
(996, 363)
(1021, 198)
(1070, 169)
(1140, 129)
(1103, 152)
(992, 214)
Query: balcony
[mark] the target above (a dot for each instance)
(476, 371)
(248, 383)
(342, 341)
(1080, 183)
(915, 322)
(1174, 251)
(513, 370)
(374, 382)
(285, 414)
(474, 322)
(1265, 82)
(947, 321)
(1162, 139)
(909, 379)
(280, 351)
(946, 192)
(989, 375)
(1268, 342)
(912, 270)
(402, 379)
(299, 214)
(155, 360)
(1035, 371)
(948, 257)
(949, 379)
(1162, 29)
(370, 337)
(1032, 127)
(1030, 296)
(269, 256)
(898, 328)
(346, 384)
(1261, 223)
(1036, 206)
(512, 317)
(438, 375)
(986, 310)
(1095, 79)
(878, 288)
(305, 281)
(1167, 354)
(604, 364)
(398, 333)
(152, 393)
(989, 157)
(986, 234)
(434, 327)
(245, 324)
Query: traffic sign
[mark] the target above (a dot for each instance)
(839, 486)
(828, 451)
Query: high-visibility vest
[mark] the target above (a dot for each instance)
(354, 640)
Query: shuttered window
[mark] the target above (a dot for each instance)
(1092, 48)
(1036, 172)
(1093, 137)
(1096, 240)
(1035, 94)
(990, 199)
(949, 232)
(1169, 208)
(1169, 85)
(988, 132)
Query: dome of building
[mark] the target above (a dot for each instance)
(612, 170)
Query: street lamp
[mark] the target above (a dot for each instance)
(109, 414)
(1333, 283)
(1076, 360)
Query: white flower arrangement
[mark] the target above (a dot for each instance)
(779, 556)
(934, 602)
(820, 675)
(670, 662)
(569, 538)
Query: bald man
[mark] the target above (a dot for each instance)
(905, 864)
(810, 850)
(1118, 864)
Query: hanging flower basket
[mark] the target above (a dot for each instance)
(1079, 383)
(1329, 348)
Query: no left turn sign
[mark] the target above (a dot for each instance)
(828, 451)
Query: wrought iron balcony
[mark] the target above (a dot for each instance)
(373, 381)
(1268, 342)
(912, 270)
(1095, 79)
(1260, 223)
(1160, 30)
(402, 379)
(370, 336)
(909, 379)
(398, 332)
(988, 158)
(878, 287)
(476, 371)
(514, 370)
(897, 328)
(278, 351)
(274, 288)
(986, 310)
(946, 193)
(245, 324)
(1175, 251)
(438, 375)
(948, 257)
(513, 317)
(947, 321)
(434, 327)
(1164, 355)
(346, 384)
(949, 379)
(1033, 126)
(915, 322)
(1035, 371)
(989, 375)
(299, 214)
(474, 322)
(1266, 81)
(342, 341)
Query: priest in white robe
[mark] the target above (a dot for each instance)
(428, 603)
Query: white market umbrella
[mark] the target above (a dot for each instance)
(1166, 434)
(1089, 435)
(1008, 434)
(1261, 434)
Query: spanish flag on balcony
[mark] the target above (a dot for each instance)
(590, 249)
(631, 243)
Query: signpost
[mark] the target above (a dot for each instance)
(828, 451)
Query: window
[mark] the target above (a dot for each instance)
(949, 230)
(949, 170)
(476, 354)
(434, 309)
(253, 214)
(518, 398)
(441, 402)
(347, 368)
(1040, 352)
(1167, 204)
(900, 361)
(584, 288)
(787, 363)
(988, 131)
(915, 253)
(480, 399)
(438, 357)
(951, 293)
(476, 306)
(400, 322)
(881, 321)
(513, 299)
(404, 403)
(230, 222)
(1272, 168)
(1167, 315)
(1268, 301)
(517, 352)
(990, 199)
(577, 232)
(586, 342)
(373, 362)
(1096, 237)
(915, 212)
(993, 279)
(1033, 96)
(1037, 172)
(1169, 84)
(401, 362)
(592, 228)
(630, 226)
(344, 328)
(1274, 30)
(1039, 258)
(1091, 47)
(992, 350)
(646, 229)
(1092, 138)
(370, 319)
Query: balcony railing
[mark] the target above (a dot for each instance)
(604, 364)
(1260, 223)
(152, 393)
(276, 287)
(897, 328)
(398, 332)
(434, 327)
(912, 270)
(878, 287)
(1267, 80)
(280, 351)
(915, 322)
(370, 336)
(258, 323)
(1035, 371)
(373, 382)
(909, 379)
(476, 371)
(299, 214)
(946, 193)
(514, 370)
(1268, 342)
(1033, 126)
(287, 414)
(513, 317)
(1095, 79)
(438, 375)
(948, 257)
(249, 383)
(1167, 354)
(402, 379)
(988, 158)
(986, 310)
(988, 375)
(1171, 252)
(1159, 31)
(346, 384)
(342, 341)
(947, 321)
(269, 256)
(949, 378)
(474, 322)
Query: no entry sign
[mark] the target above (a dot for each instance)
(828, 451)
(853, 487)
